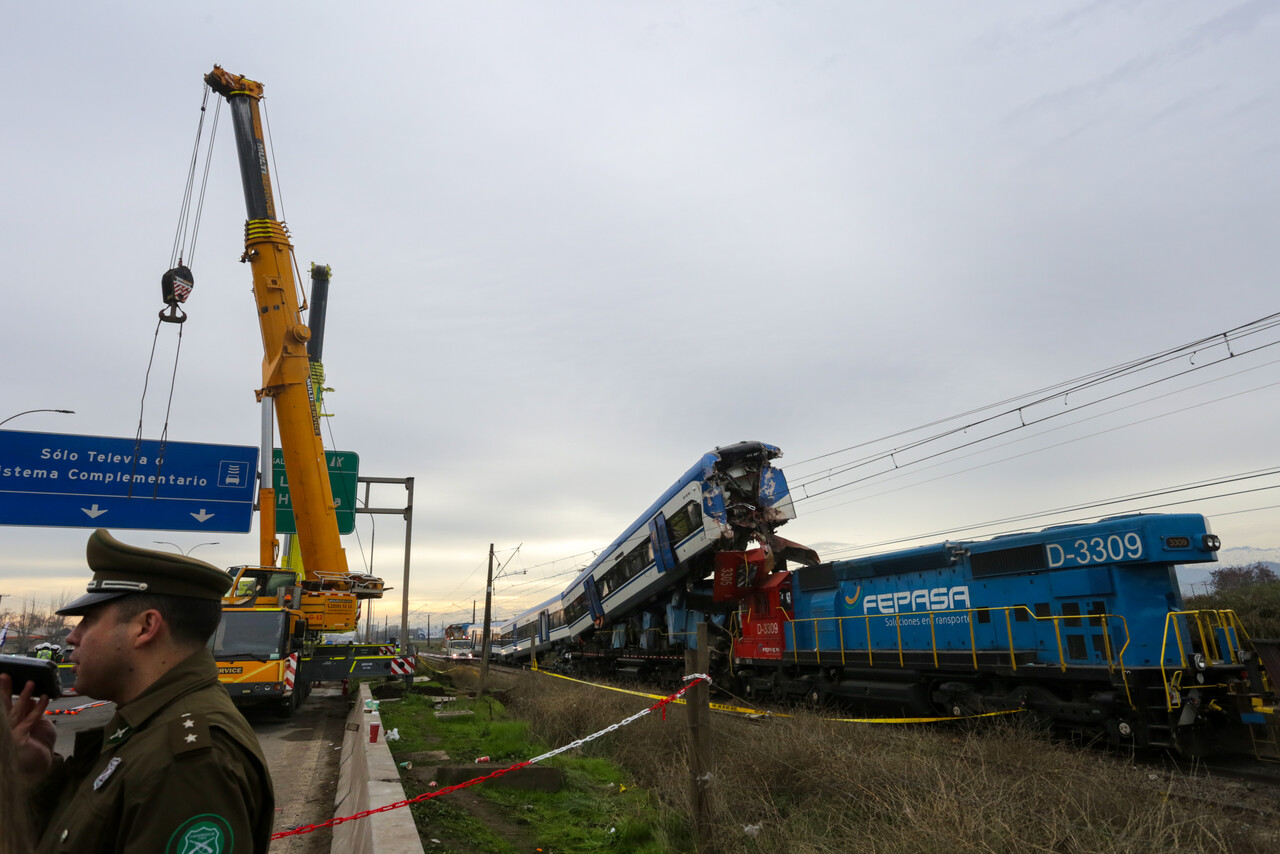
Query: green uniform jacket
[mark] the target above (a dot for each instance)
(178, 769)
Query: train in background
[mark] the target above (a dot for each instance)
(635, 608)
(1083, 625)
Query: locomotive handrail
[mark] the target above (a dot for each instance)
(1208, 624)
(1114, 660)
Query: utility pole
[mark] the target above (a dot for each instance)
(484, 637)
(697, 704)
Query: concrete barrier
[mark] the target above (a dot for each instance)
(368, 778)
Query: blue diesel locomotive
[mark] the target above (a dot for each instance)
(1083, 624)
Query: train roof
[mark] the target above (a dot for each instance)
(949, 552)
(698, 471)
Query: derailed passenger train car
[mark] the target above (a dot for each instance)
(633, 609)
(1082, 624)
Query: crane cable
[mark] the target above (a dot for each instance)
(177, 283)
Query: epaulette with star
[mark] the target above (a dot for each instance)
(189, 732)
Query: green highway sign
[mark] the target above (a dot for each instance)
(343, 467)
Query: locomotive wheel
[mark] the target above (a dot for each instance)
(815, 696)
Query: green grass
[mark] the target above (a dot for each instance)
(599, 808)
(438, 817)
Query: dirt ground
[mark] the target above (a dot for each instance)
(303, 754)
(436, 838)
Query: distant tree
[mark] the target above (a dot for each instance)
(1240, 577)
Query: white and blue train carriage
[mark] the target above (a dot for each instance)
(625, 600)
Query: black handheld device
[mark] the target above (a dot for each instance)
(23, 670)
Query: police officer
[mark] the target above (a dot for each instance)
(178, 768)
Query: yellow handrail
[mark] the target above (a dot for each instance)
(1207, 625)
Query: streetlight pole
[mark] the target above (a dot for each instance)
(29, 411)
(179, 548)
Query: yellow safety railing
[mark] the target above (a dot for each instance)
(1221, 637)
(1114, 659)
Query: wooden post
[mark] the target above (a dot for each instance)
(697, 701)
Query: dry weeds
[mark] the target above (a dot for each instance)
(807, 785)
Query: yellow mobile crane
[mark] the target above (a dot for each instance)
(274, 617)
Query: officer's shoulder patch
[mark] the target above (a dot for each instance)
(189, 732)
(207, 833)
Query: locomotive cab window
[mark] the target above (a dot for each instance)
(742, 482)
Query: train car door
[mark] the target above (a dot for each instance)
(544, 627)
(663, 556)
(594, 606)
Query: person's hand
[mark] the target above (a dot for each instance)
(33, 735)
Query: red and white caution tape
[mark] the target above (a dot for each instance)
(75, 710)
(690, 681)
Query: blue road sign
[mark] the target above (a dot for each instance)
(69, 481)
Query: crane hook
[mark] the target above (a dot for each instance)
(175, 286)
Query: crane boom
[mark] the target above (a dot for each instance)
(286, 374)
(268, 643)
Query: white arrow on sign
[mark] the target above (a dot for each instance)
(202, 516)
(94, 512)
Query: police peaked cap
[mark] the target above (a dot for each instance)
(120, 569)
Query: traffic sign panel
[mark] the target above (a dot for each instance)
(72, 481)
(343, 477)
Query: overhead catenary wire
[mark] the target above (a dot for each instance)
(893, 456)
(984, 527)
(898, 474)
(1065, 387)
(546, 585)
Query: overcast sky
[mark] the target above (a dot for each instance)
(575, 245)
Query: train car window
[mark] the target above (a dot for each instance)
(784, 598)
(1097, 608)
(984, 616)
(1020, 615)
(684, 522)
(1042, 609)
(1071, 609)
(640, 557)
(576, 608)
